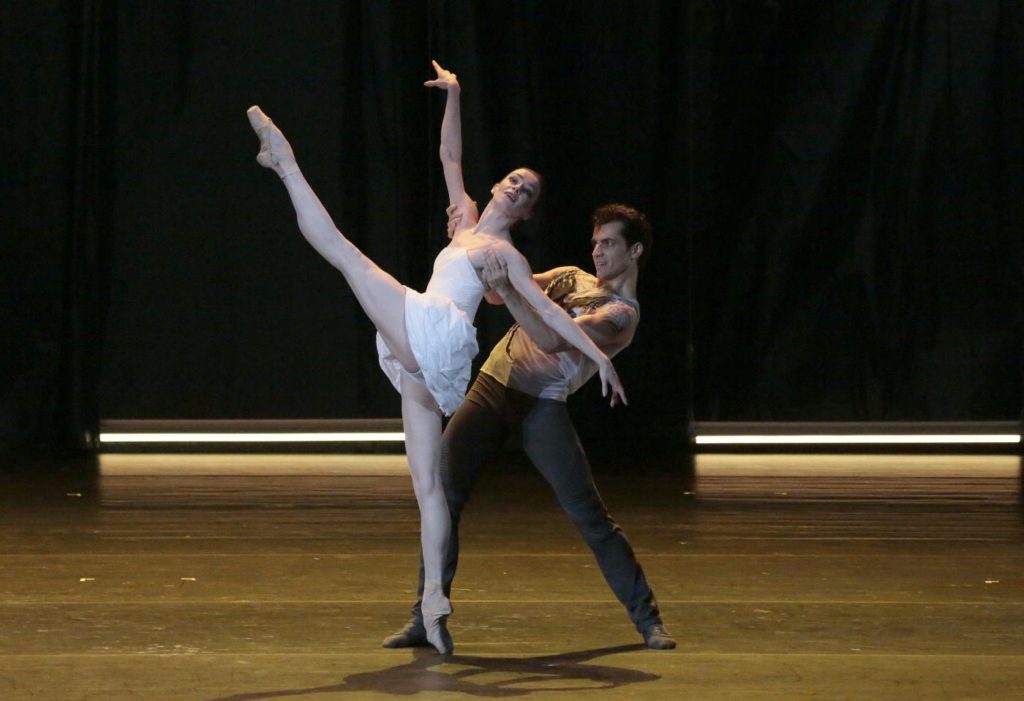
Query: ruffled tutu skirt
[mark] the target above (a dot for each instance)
(443, 340)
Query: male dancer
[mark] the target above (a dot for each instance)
(526, 381)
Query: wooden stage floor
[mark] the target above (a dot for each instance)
(276, 577)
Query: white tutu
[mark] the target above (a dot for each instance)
(443, 340)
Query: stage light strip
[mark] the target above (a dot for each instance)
(398, 436)
(282, 437)
(862, 439)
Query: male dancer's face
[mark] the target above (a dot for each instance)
(610, 251)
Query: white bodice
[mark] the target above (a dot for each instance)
(455, 277)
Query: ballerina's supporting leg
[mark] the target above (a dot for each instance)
(422, 423)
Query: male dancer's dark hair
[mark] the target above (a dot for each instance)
(635, 227)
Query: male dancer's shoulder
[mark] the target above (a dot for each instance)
(564, 282)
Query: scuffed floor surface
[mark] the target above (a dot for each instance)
(276, 577)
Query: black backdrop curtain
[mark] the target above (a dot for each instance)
(834, 188)
(868, 260)
(56, 200)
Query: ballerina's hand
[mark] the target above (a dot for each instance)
(446, 80)
(610, 383)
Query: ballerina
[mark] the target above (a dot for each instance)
(426, 341)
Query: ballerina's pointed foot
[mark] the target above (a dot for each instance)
(435, 608)
(275, 151)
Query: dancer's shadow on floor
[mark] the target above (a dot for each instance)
(517, 676)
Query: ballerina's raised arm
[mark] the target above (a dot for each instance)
(516, 194)
(451, 148)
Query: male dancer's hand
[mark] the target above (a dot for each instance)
(495, 274)
(454, 217)
(456, 213)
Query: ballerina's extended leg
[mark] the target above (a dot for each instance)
(379, 294)
(275, 151)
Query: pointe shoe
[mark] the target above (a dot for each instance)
(275, 151)
(412, 635)
(435, 608)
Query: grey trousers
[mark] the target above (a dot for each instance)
(478, 430)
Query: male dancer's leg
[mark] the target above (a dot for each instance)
(473, 436)
(551, 443)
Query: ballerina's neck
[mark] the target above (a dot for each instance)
(494, 223)
(475, 237)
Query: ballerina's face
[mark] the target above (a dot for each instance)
(517, 193)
